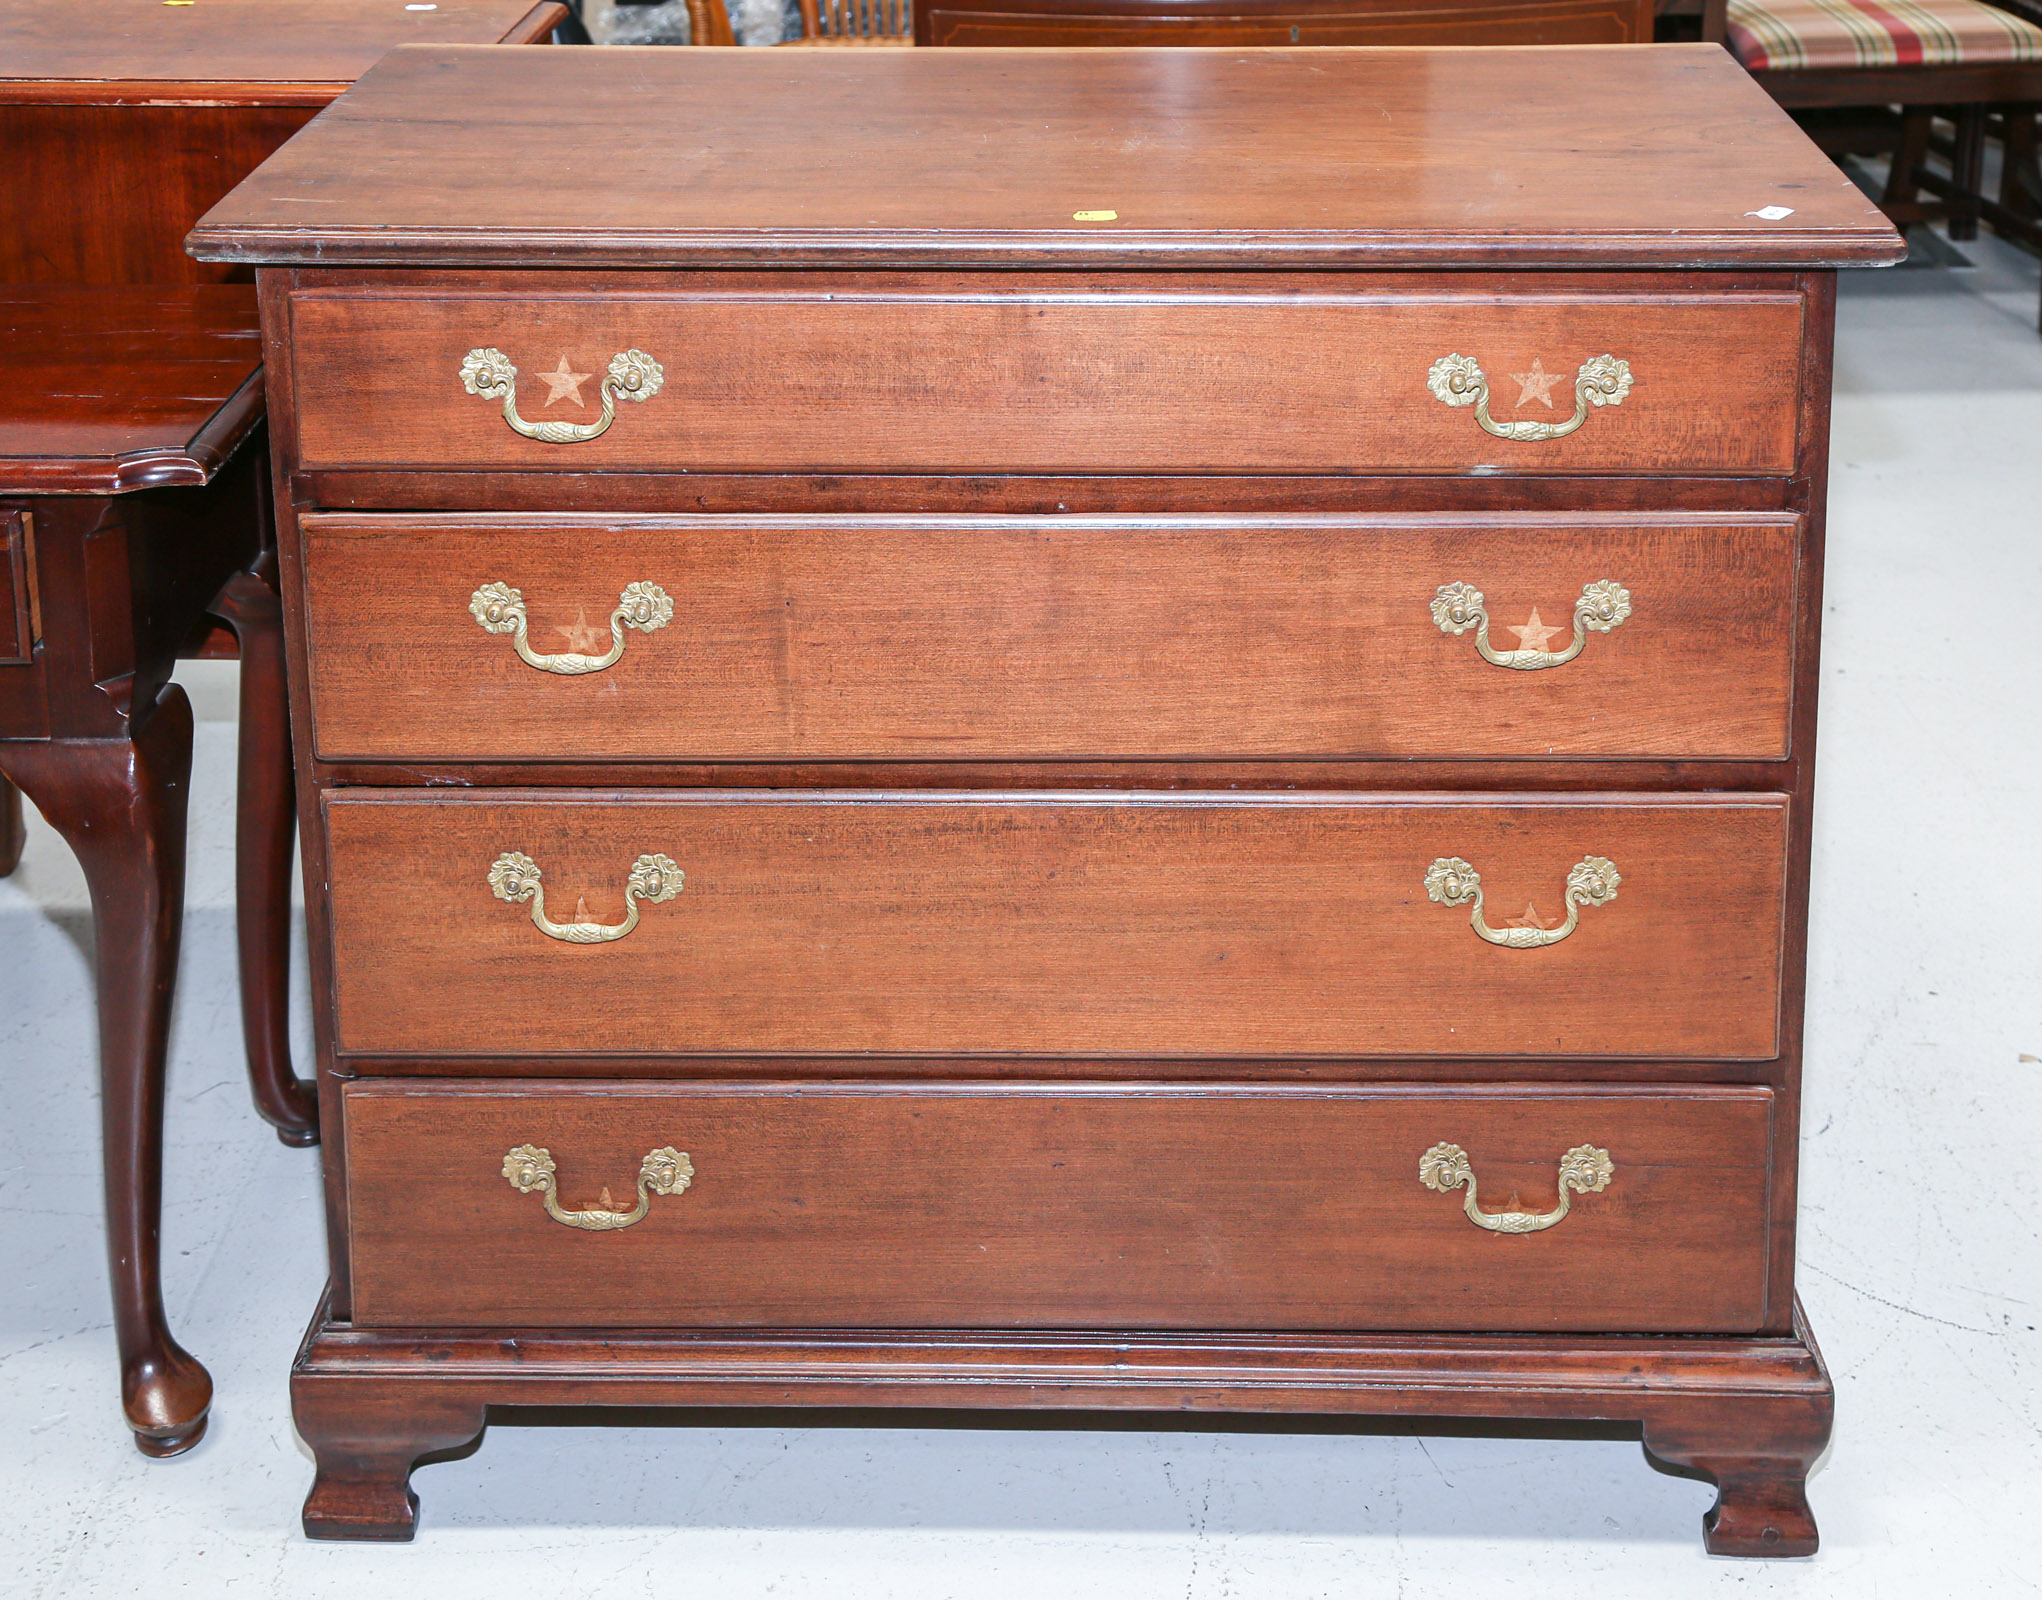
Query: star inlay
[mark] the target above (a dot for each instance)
(1537, 384)
(585, 639)
(1535, 635)
(1530, 919)
(562, 383)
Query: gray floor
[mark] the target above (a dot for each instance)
(1920, 1266)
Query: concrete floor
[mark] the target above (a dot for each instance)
(1920, 1265)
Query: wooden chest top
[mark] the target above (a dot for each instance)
(274, 51)
(1597, 156)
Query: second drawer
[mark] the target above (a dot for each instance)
(527, 924)
(998, 638)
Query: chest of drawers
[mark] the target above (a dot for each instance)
(1011, 784)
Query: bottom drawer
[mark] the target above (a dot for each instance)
(1048, 1206)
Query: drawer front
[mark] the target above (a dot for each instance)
(865, 1206)
(1087, 380)
(1010, 638)
(1138, 925)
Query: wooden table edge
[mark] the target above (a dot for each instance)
(158, 467)
(1871, 246)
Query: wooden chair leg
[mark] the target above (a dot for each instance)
(121, 806)
(13, 832)
(1967, 172)
(1913, 149)
(266, 819)
(2020, 175)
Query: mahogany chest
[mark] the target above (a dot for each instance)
(1137, 735)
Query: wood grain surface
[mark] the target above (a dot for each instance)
(1094, 380)
(852, 1206)
(1237, 23)
(1604, 154)
(54, 55)
(104, 194)
(123, 125)
(995, 638)
(923, 494)
(1155, 925)
(104, 389)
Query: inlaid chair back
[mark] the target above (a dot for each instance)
(857, 22)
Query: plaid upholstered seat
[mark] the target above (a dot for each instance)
(1789, 35)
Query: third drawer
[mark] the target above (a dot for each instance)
(516, 924)
(534, 638)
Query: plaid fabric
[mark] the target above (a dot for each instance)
(1792, 34)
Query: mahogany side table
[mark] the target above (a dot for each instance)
(130, 537)
(126, 517)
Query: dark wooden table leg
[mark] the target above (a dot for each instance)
(121, 807)
(266, 817)
(12, 831)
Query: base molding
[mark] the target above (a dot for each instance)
(1748, 1414)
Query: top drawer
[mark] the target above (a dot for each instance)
(1033, 379)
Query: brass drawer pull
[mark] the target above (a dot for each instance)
(1592, 881)
(1459, 381)
(665, 1171)
(1457, 607)
(633, 375)
(514, 878)
(644, 606)
(1583, 1170)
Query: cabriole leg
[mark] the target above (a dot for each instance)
(266, 821)
(121, 805)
